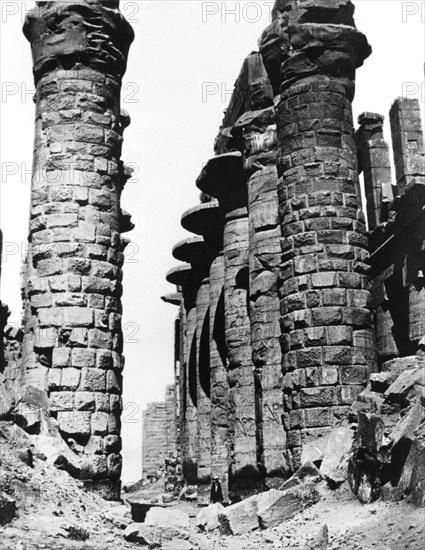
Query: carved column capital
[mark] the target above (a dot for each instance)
(315, 37)
(76, 35)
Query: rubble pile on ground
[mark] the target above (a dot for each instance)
(389, 450)
(42, 506)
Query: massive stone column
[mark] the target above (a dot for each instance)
(72, 329)
(196, 252)
(183, 277)
(220, 430)
(258, 132)
(311, 51)
(223, 178)
(205, 219)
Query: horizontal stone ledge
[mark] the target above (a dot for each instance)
(203, 219)
(173, 298)
(179, 275)
(222, 175)
(191, 250)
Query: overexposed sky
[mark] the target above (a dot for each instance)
(182, 67)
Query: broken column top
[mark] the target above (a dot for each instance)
(76, 35)
(313, 37)
(367, 117)
(371, 127)
(252, 91)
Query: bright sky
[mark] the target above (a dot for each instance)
(182, 66)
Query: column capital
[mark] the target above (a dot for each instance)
(224, 178)
(75, 35)
(317, 37)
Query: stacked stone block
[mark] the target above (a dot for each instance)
(171, 428)
(154, 440)
(327, 341)
(72, 282)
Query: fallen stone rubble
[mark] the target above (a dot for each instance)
(389, 451)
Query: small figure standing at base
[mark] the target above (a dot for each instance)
(216, 492)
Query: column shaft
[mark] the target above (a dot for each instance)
(242, 406)
(203, 391)
(219, 382)
(325, 317)
(72, 296)
(264, 259)
(189, 433)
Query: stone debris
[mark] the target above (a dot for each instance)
(153, 535)
(308, 473)
(321, 541)
(178, 544)
(168, 517)
(207, 519)
(389, 441)
(119, 515)
(334, 466)
(242, 517)
(7, 508)
(291, 502)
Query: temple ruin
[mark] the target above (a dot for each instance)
(288, 297)
(303, 274)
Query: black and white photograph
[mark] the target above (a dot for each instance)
(212, 275)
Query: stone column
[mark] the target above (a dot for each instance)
(196, 252)
(409, 158)
(154, 440)
(183, 277)
(258, 132)
(72, 330)
(170, 402)
(223, 178)
(220, 431)
(205, 219)
(312, 50)
(408, 143)
(374, 161)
